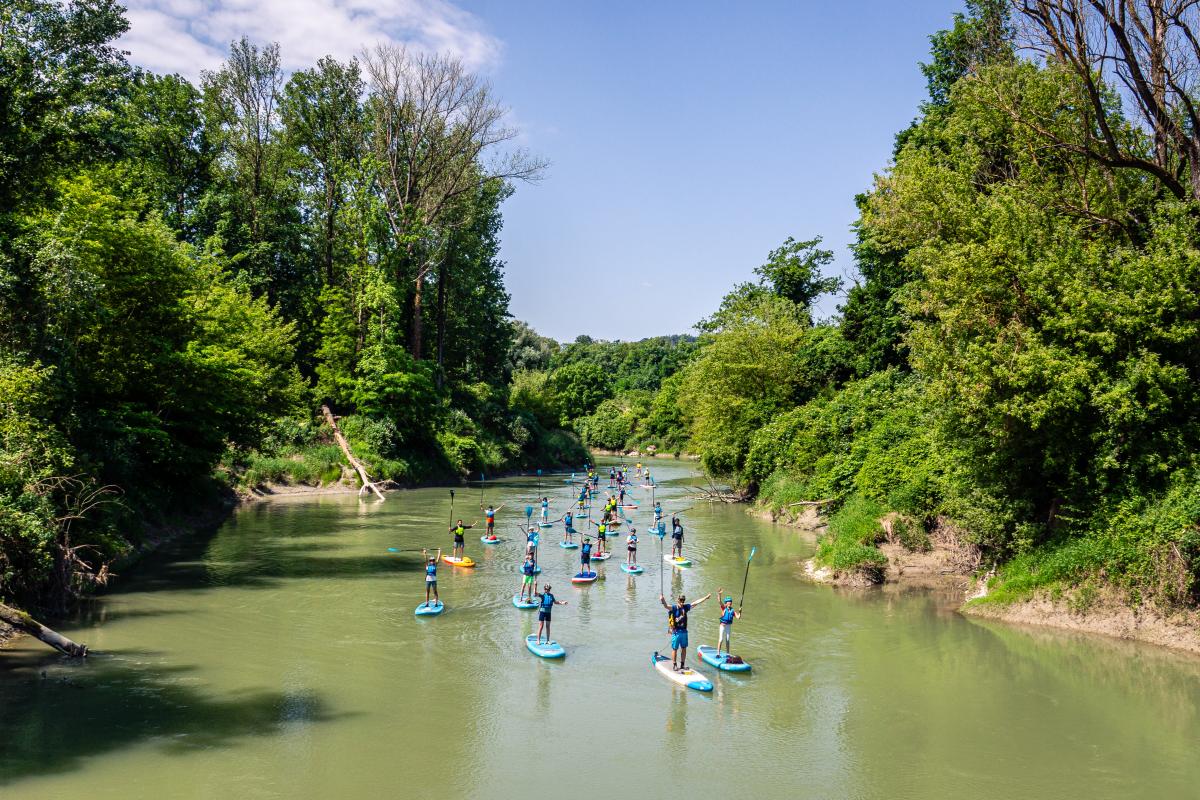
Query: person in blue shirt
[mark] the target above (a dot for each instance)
(431, 564)
(528, 581)
(657, 510)
(568, 526)
(728, 615)
(585, 556)
(677, 627)
(547, 604)
(631, 547)
(490, 516)
(532, 539)
(545, 509)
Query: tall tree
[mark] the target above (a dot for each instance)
(433, 124)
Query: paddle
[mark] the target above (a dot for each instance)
(539, 482)
(482, 479)
(660, 533)
(745, 579)
(405, 550)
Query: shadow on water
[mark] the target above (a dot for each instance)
(55, 714)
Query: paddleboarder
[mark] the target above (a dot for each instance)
(548, 602)
(676, 537)
(545, 510)
(528, 581)
(431, 564)
(585, 556)
(460, 540)
(631, 547)
(728, 615)
(677, 626)
(490, 516)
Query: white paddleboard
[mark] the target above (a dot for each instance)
(689, 677)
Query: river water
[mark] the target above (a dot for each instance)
(280, 657)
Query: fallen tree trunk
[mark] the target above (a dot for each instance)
(354, 462)
(23, 622)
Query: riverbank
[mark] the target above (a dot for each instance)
(949, 566)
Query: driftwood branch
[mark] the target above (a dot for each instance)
(812, 502)
(23, 622)
(354, 462)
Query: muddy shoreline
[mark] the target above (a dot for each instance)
(943, 569)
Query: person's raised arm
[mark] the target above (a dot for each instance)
(701, 600)
(663, 600)
(439, 555)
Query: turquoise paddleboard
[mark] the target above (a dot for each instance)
(486, 540)
(568, 545)
(636, 569)
(720, 660)
(545, 649)
(430, 609)
(525, 604)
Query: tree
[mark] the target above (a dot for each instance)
(433, 123)
(1144, 51)
(793, 271)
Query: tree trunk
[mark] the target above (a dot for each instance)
(417, 328)
(354, 462)
(441, 321)
(23, 622)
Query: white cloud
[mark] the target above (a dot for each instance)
(187, 36)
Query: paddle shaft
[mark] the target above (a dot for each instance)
(745, 579)
(451, 508)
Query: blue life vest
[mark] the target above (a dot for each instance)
(547, 602)
(431, 570)
(727, 616)
(527, 568)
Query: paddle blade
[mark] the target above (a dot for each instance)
(752, 551)
(451, 494)
(393, 550)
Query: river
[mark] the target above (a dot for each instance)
(280, 657)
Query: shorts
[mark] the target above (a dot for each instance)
(543, 616)
(679, 639)
(586, 561)
(602, 537)
(431, 581)
(459, 539)
(529, 579)
(631, 549)
(677, 537)
(491, 524)
(723, 633)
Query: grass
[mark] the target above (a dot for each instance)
(850, 541)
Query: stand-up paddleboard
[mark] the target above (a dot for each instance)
(678, 562)
(721, 660)
(636, 569)
(430, 609)
(545, 649)
(493, 540)
(629, 505)
(602, 556)
(465, 561)
(584, 577)
(568, 545)
(689, 677)
(526, 604)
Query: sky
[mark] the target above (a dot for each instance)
(685, 140)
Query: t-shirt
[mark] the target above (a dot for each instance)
(677, 617)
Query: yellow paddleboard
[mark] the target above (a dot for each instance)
(465, 561)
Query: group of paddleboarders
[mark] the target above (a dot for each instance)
(544, 601)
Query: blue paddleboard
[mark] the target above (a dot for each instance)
(525, 604)
(584, 577)
(545, 649)
(711, 657)
(568, 545)
(636, 569)
(486, 540)
(430, 609)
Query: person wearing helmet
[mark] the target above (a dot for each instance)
(728, 615)
(547, 602)
(431, 565)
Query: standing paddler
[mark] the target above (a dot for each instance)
(677, 626)
(460, 539)
(431, 565)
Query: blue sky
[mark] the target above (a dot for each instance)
(686, 139)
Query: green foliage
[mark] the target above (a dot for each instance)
(850, 541)
(578, 389)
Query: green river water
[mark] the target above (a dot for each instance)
(280, 657)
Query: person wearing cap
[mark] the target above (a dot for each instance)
(728, 615)
(431, 563)
(676, 537)
(544, 610)
(677, 627)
